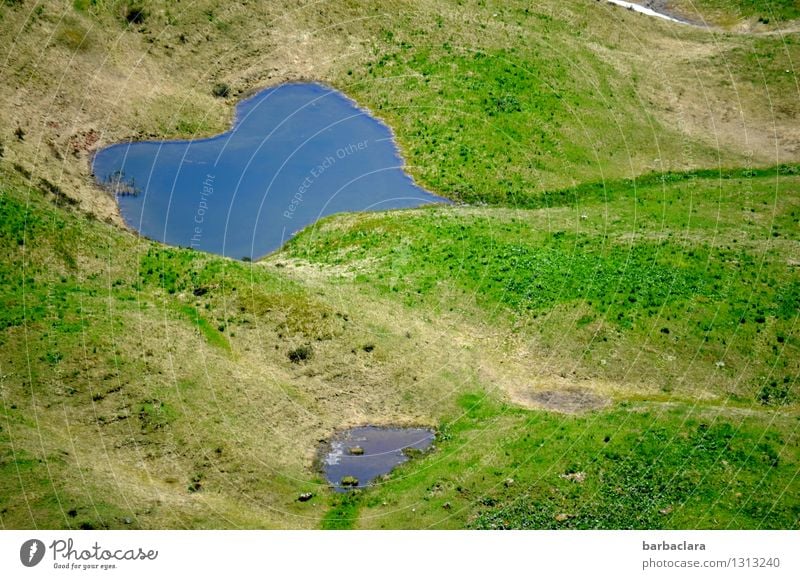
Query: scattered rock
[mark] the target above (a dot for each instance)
(569, 400)
(509, 482)
(576, 477)
(349, 481)
(305, 497)
(355, 450)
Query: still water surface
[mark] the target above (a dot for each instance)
(295, 153)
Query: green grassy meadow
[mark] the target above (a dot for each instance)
(602, 328)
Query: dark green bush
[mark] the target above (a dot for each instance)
(135, 14)
(300, 354)
(775, 394)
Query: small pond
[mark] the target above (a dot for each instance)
(359, 455)
(295, 153)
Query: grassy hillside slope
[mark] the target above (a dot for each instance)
(491, 102)
(155, 387)
(674, 299)
(600, 337)
(685, 282)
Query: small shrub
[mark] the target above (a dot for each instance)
(506, 104)
(195, 484)
(300, 354)
(774, 394)
(135, 14)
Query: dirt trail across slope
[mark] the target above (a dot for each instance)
(662, 9)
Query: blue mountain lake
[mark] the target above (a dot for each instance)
(295, 153)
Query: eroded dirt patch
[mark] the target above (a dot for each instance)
(571, 400)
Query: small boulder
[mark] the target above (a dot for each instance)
(349, 481)
(355, 450)
(305, 497)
